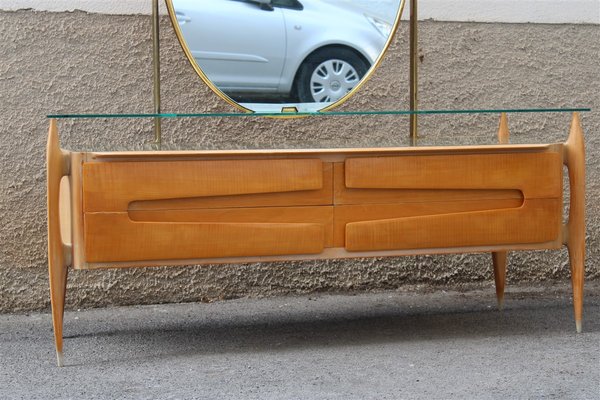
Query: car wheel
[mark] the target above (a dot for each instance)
(329, 74)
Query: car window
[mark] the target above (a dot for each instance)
(293, 4)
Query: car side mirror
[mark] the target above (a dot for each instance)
(265, 4)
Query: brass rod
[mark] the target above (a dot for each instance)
(156, 63)
(414, 72)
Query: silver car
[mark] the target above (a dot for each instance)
(298, 50)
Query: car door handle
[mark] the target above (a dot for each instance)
(182, 18)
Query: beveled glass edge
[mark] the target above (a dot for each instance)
(321, 113)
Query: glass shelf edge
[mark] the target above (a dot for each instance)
(319, 114)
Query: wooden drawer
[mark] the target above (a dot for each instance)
(119, 186)
(441, 201)
(535, 173)
(244, 232)
(459, 229)
(206, 209)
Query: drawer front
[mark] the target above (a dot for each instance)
(142, 211)
(537, 221)
(120, 186)
(444, 201)
(244, 232)
(535, 175)
(346, 216)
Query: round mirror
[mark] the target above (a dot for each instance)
(285, 55)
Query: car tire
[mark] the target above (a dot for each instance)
(329, 74)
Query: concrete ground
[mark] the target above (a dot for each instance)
(410, 344)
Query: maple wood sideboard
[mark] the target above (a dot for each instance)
(134, 209)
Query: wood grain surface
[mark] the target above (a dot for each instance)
(115, 237)
(538, 220)
(112, 186)
(536, 175)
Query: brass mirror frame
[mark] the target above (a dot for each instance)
(221, 94)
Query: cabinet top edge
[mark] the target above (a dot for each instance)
(341, 152)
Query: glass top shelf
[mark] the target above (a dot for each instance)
(319, 114)
(321, 130)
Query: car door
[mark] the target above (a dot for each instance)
(239, 44)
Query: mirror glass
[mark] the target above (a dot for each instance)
(277, 55)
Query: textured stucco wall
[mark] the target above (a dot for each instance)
(518, 11)
(78, 62)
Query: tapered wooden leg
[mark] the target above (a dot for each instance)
(499, 260)
(58, 289)
(58, 253)
(576, 257)
(503, 130)
(575, 160)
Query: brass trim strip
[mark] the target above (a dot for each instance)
(156, 65)
(414, 71)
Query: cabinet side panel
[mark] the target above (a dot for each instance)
(77, 211)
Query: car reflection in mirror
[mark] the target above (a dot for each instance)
(285, 51)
